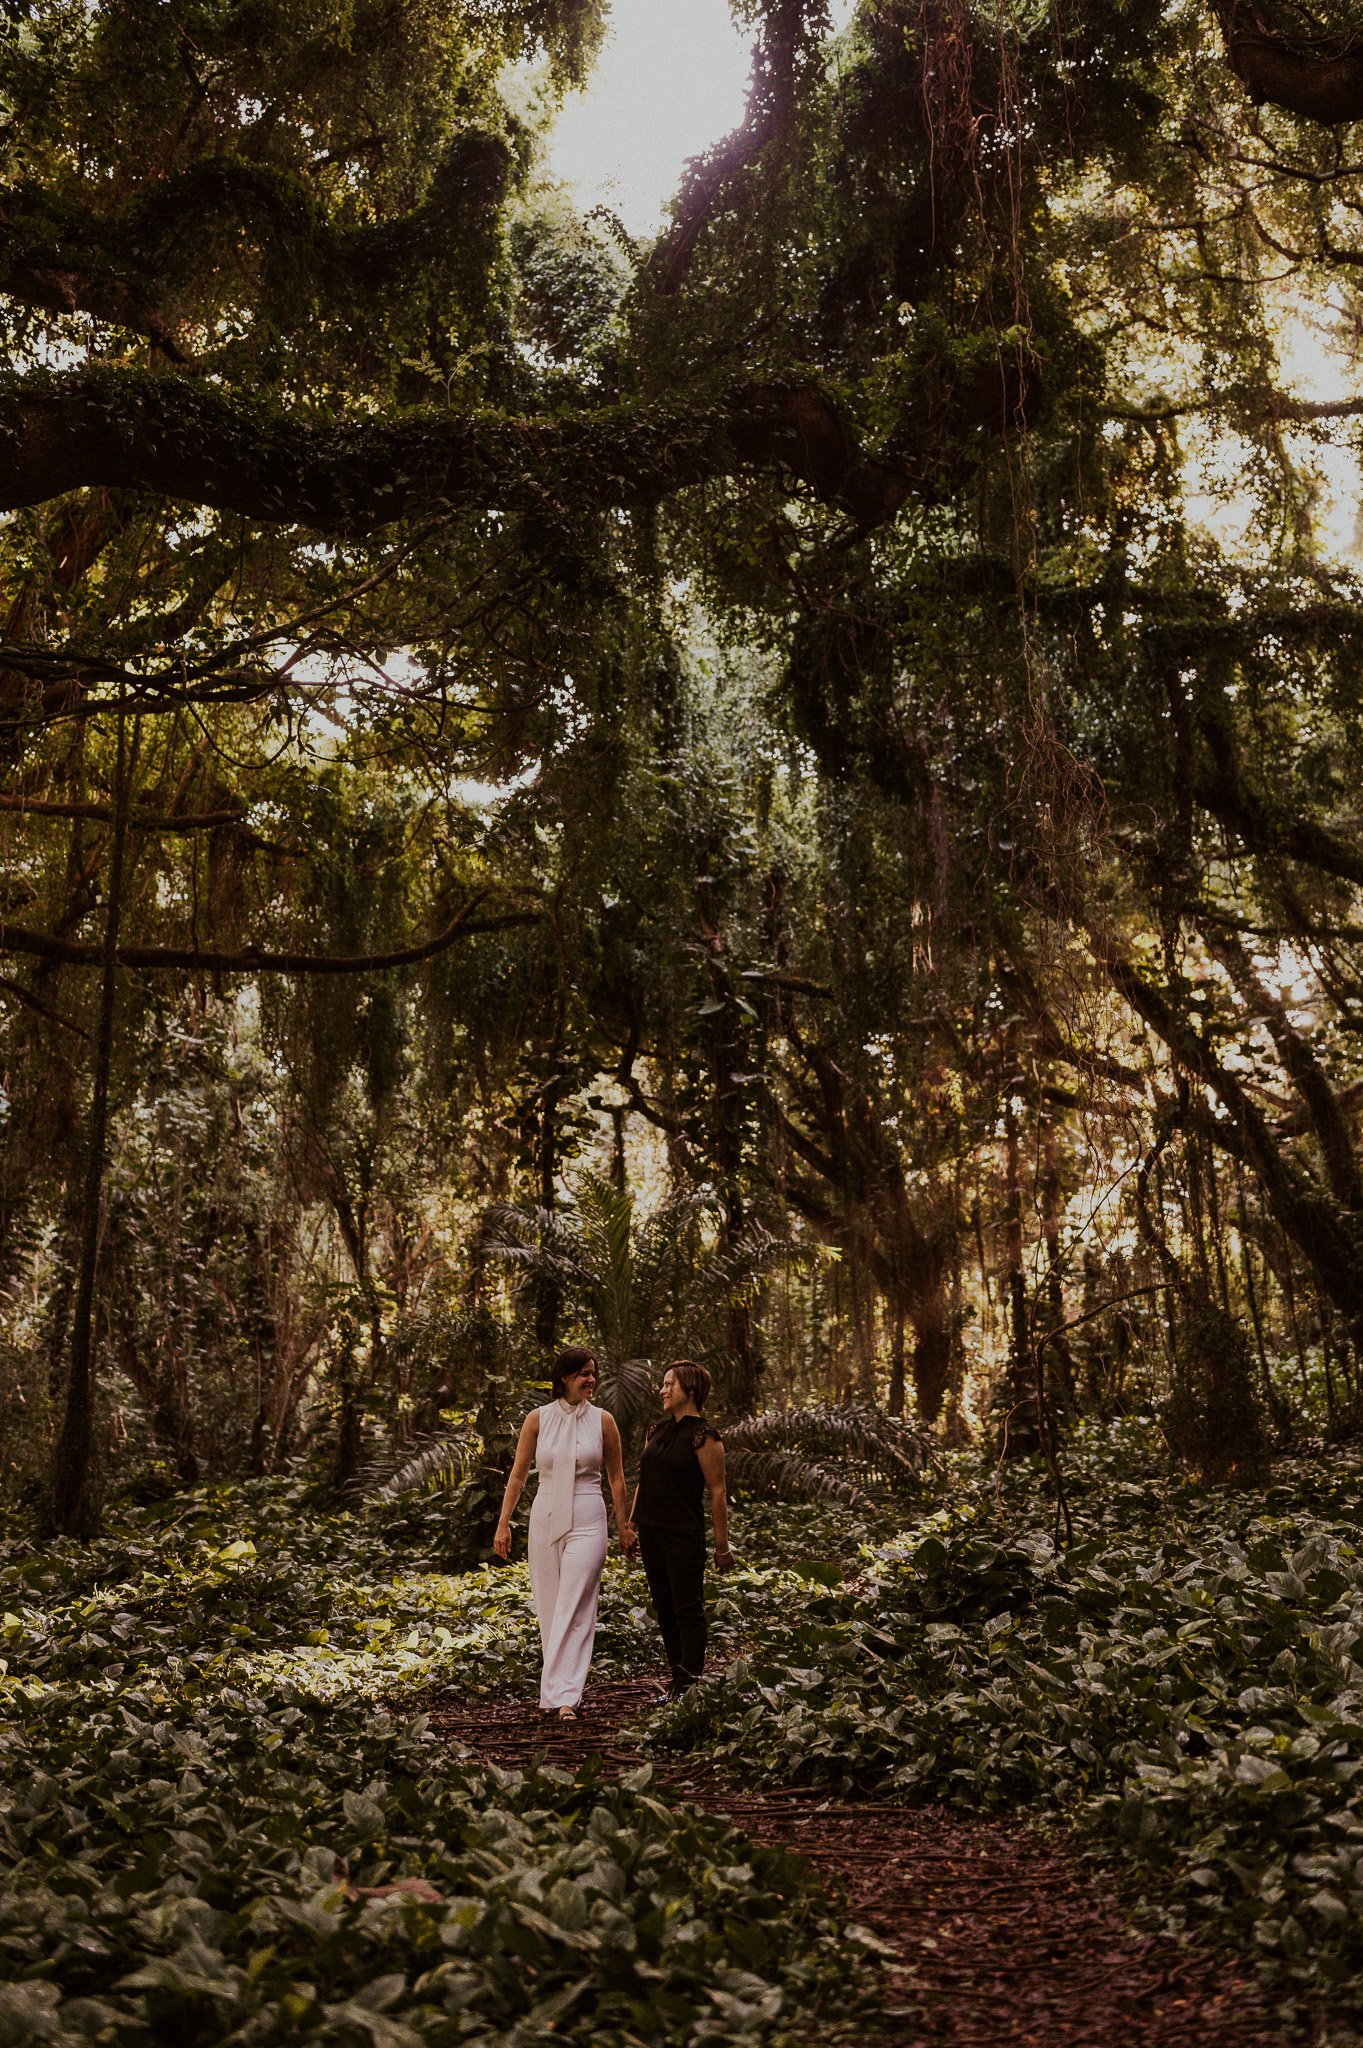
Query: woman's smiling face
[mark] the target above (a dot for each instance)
(580, 1386)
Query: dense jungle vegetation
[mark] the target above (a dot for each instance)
(789, 793)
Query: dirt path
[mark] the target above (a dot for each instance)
(1001, 1940)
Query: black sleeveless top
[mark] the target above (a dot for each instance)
(671, 1484)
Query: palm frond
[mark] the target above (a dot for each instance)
(606, 1223)
(540, 1240)
(640, 1284)
(629, 1392)
(441, 1462)
(785, 1475)
(884, 1450)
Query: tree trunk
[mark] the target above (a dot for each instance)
(352, 1384)
(74, 1508)
(728, 1057)
(264, 1342)
(59, 1330)
(1021, 1427)
(349, 1415)
(863, 1323)
(546, 1291)
(1060, 1359)
(896, 1400)
(931, 1354)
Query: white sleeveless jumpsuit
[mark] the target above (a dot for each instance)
(567, 1546)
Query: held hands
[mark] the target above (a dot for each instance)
(629, 1538)
(724, 1559)
(501, 1542)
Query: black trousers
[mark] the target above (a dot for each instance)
(674, 1564)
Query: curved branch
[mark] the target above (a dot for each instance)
(1326, 1233)
(1323, 1104)
(15, 938)
(102, 814)
(53, 286)
(1223, 793)
(10, 987)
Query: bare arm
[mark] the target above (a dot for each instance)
(615, 1474)
(515, 1485)
(710, 1456)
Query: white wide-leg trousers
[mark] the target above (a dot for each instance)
(565, 1584)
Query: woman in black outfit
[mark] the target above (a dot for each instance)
(682, 1463)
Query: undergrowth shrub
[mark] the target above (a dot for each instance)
(202, 1875)
(1212, 1419)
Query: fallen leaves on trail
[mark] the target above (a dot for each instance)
(408, 1887)
(990, 1935)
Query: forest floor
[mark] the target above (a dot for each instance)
(995, 1935)
(983, 1788)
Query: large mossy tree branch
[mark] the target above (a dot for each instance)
(194, 441)
(131, 264)
(1320, 78)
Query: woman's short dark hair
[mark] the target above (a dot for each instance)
(567, 1365)
(694, 1378)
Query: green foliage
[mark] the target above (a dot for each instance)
(188, 1711)
(904, 795)
(199, 1792)
(202, 1888)
(813, 822)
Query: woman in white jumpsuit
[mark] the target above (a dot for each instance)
(569, 1440)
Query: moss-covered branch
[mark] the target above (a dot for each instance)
(1320, 78)
(194, 441)
(139, 265)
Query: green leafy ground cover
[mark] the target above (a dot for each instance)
(196, 1755)
(205, 1711)
(1185, 1684)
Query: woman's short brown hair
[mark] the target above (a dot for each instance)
(694, 1378)
(567, 1365)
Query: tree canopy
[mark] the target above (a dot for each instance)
(847, 712)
